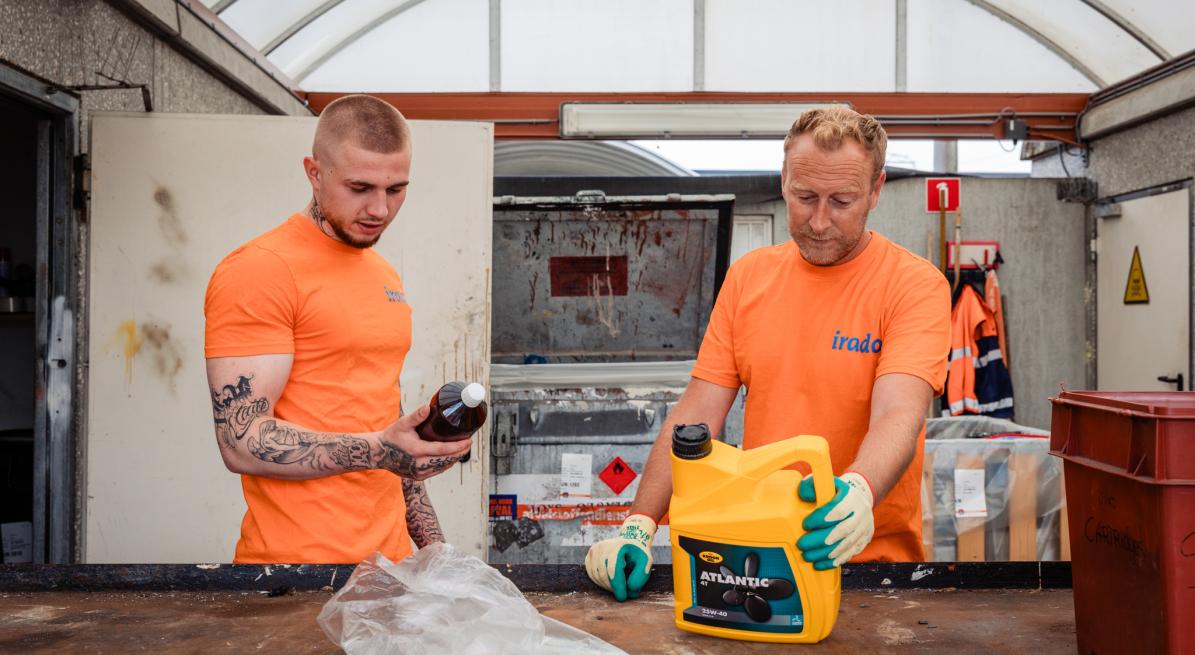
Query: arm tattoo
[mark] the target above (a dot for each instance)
(234, 408)
(400, 462)
(422, 523)
(282, 444)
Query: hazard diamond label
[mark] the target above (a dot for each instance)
(617, 475)
(1135, 290)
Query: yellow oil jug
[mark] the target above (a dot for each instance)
(735, 520)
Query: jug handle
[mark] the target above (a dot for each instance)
(808, 448)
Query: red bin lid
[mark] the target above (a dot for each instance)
(1170, 404)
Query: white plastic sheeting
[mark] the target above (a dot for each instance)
(955, 46)
(716, 45)
(597, 45)
(437, 45)
(779, 45)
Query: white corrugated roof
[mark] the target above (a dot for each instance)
(712, 45)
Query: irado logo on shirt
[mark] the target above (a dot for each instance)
(856, 344)
(394, 296)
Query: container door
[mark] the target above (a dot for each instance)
(1144, 281)
(171, 196)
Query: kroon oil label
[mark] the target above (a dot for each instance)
(710, 557)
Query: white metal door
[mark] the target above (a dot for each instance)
(1140, 341)
(171, 195)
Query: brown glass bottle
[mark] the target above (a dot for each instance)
(458, 410)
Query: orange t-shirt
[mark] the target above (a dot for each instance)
(809, 341)
(341, 312)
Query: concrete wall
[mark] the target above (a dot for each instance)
(71, 42)
(1067, 163)
(1042, 241)
(1148, 155)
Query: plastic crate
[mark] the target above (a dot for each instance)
(1129, 462)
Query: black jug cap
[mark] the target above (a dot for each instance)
(691, 441)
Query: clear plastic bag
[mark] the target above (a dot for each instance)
(1010, 466)
(439, 601)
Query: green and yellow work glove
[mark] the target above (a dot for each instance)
(607, 561)
(840, 529)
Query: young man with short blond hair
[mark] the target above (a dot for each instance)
(307, 329)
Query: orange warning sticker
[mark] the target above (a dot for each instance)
(1136, 292)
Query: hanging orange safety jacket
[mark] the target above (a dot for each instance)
(977, 382)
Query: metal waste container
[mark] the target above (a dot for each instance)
(599, 307)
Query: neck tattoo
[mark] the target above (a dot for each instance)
(317, 214)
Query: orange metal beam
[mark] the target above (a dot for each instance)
(1050, 116)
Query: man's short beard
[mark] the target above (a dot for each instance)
(320, 220)
(834, 257)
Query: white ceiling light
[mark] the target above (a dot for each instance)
(680, 120)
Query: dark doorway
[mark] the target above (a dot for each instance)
(37, 364)
(18, 260)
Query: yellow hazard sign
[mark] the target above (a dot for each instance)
(1135, 290)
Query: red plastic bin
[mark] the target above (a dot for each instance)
(1129, 460)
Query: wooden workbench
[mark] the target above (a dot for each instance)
(898, 621)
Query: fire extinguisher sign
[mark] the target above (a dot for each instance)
(933, 193)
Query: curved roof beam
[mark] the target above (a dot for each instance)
(1129, 28)
(298, 25)
(1049, 44)
(332, 49)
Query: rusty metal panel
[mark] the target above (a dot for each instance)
(606, 279)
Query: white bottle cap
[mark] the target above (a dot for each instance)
(473, 394)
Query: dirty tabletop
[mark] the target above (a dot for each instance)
(921, 621)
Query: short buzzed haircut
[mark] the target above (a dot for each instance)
(831, 125)
(363, 121)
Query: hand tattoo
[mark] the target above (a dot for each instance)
(234, 409)
(422, 523)
(400, 462)
(282, 444)
(437, 464)
(396, 460)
